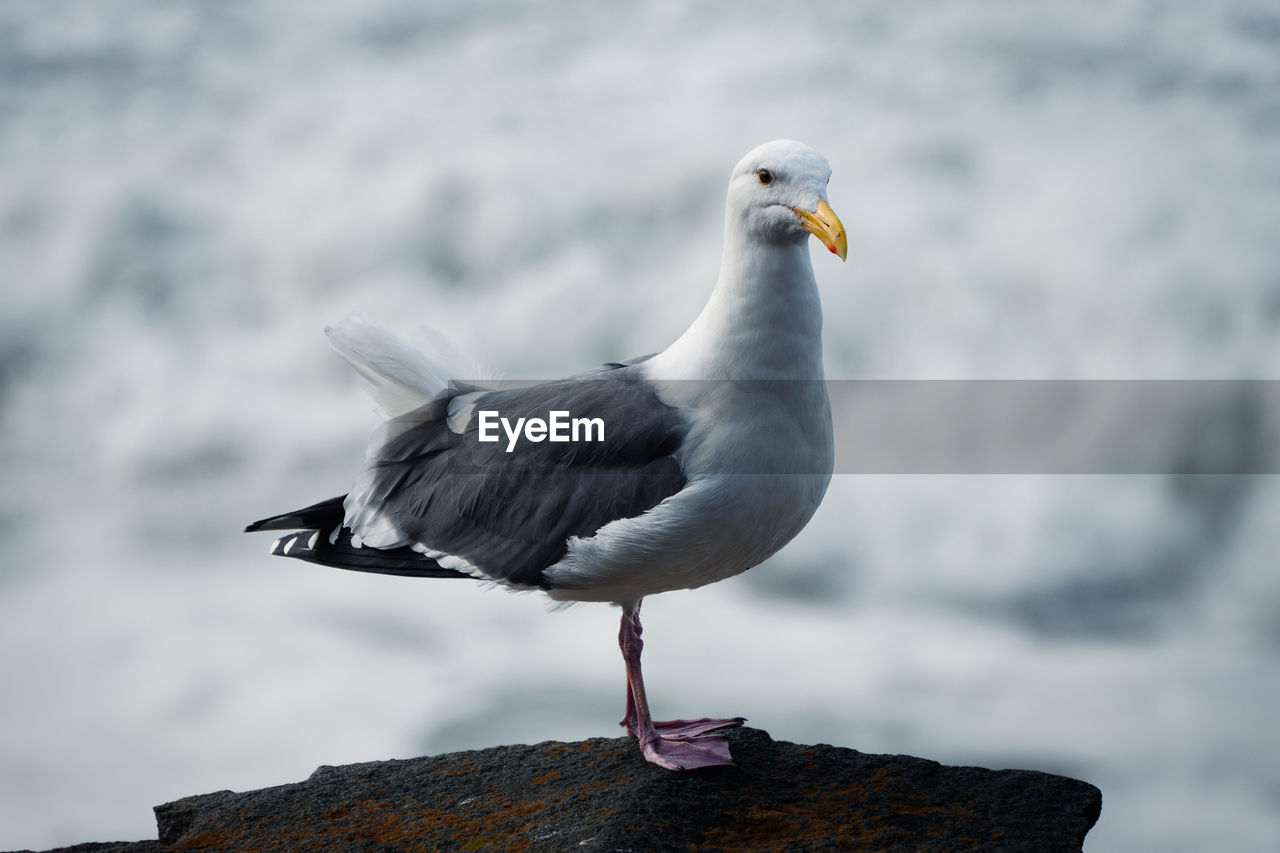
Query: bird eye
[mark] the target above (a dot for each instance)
(765, 176)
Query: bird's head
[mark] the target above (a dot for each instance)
(778, 194)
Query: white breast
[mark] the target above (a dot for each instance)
(755, 480)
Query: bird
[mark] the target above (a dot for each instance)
(693, 464)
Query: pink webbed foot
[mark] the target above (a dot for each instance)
(686, 744)
(686, 753)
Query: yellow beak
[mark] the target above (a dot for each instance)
(826, 226)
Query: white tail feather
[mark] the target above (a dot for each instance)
(401, 376)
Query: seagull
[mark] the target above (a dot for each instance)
(692, 465)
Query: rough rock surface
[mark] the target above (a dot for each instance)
(600, 795)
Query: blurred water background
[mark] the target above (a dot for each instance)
(190, 192)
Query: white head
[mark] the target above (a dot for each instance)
(778, 194)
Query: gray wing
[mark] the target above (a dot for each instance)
(510, 514)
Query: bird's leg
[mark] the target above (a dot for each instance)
(673, 744)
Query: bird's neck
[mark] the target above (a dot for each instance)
(763, 321)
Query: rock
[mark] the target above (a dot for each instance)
(600, 795)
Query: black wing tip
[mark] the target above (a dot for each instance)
(277, 522)
(337, 551)
(318, 516)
